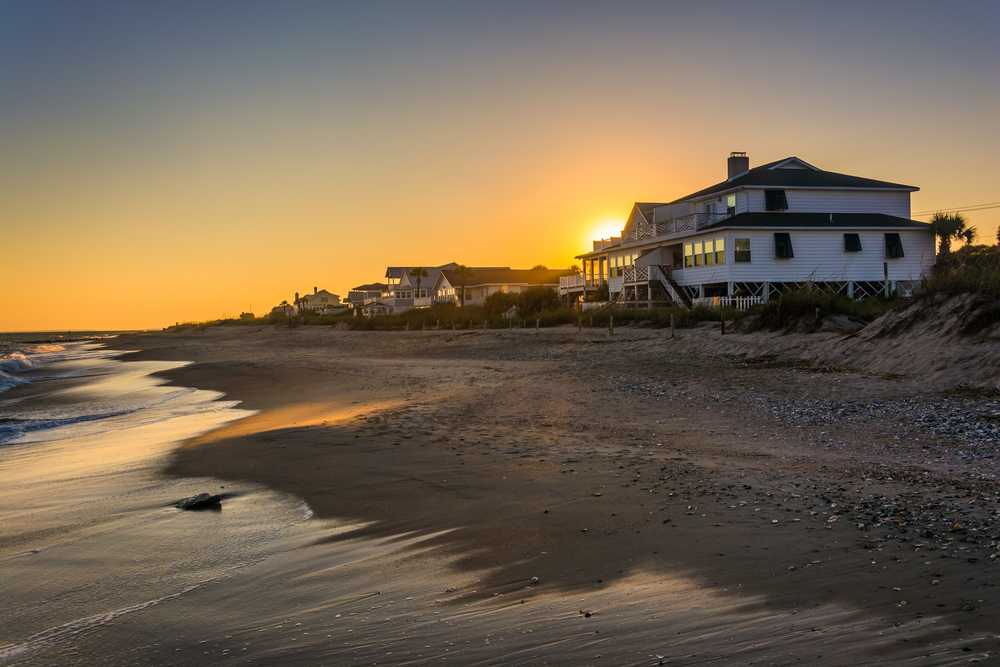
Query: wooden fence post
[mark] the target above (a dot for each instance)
(537, 323)
(671, 325)
(611, 325)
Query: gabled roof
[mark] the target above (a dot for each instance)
(816, 221)
(792, 172)
(370, 287)
(641, 214)
(482, 277)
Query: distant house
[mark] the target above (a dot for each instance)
(760, 232)
(322, 302)
(362, 295)
(486, 281)
(403, 293)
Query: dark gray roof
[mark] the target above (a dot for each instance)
(765, 176)
(816, 220)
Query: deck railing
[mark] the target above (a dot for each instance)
(739, 302)
(687, 223)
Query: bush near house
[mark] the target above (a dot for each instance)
(792, 308)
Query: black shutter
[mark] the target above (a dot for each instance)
(852, 243)
(893, 246)
(783, 245)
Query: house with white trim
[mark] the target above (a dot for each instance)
(760, 232)
(488, 280)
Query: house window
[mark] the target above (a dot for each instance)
(709, 252)
(741, 250)
(775, 200)
(720, 251)
(423, 293)
(688, 254)
(893, 246)
(783, 245)
(852, 243)
(698, 250)
(731, 205)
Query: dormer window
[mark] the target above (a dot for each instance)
(731, 205)
(775, 200)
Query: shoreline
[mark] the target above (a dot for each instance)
(582, 460)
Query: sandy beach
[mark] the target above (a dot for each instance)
(816, 477)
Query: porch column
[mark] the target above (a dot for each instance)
(850, 289)
(767, 292)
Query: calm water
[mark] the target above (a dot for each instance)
(97, 567)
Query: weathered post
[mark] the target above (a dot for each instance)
(538, 322)
(452, 326)
(485, 322)
(423, 327)
(437, 326)
(470, 324)
(722, 322)
(579, 324)
(591, 321)
(671, 325)
(885, 271)
(407, 325)
(611, 325)
(817, 315)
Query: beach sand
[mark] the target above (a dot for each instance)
(793, 472)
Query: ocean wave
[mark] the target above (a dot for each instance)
(15, 362)
(9, 381)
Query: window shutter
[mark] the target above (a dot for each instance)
(783, 245)
(893, 245)
(852, 243)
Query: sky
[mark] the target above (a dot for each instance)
(163, 162)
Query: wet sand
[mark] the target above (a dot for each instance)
(586, 461)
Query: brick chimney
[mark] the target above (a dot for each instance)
(738, 163)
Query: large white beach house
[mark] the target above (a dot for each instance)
(762, 231)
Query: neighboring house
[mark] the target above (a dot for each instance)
(321, 301)
(403, 293)
(363, 295)
(486, 281)
(760, 232)
(284, 311)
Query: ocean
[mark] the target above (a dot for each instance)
(97, 565)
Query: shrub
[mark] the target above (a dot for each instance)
(790, 308)
(536, 299)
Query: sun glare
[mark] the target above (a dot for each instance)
(605, 229)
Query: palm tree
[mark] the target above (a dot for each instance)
(463, 272)
(948, 228)
(418, 272)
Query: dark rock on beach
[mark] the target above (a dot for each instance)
(202, 501)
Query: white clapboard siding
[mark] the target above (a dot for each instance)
(839, 201)
(819, 256)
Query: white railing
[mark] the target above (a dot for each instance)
(688, 223)
(422, 302)
(738, 302)
(569, 282)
